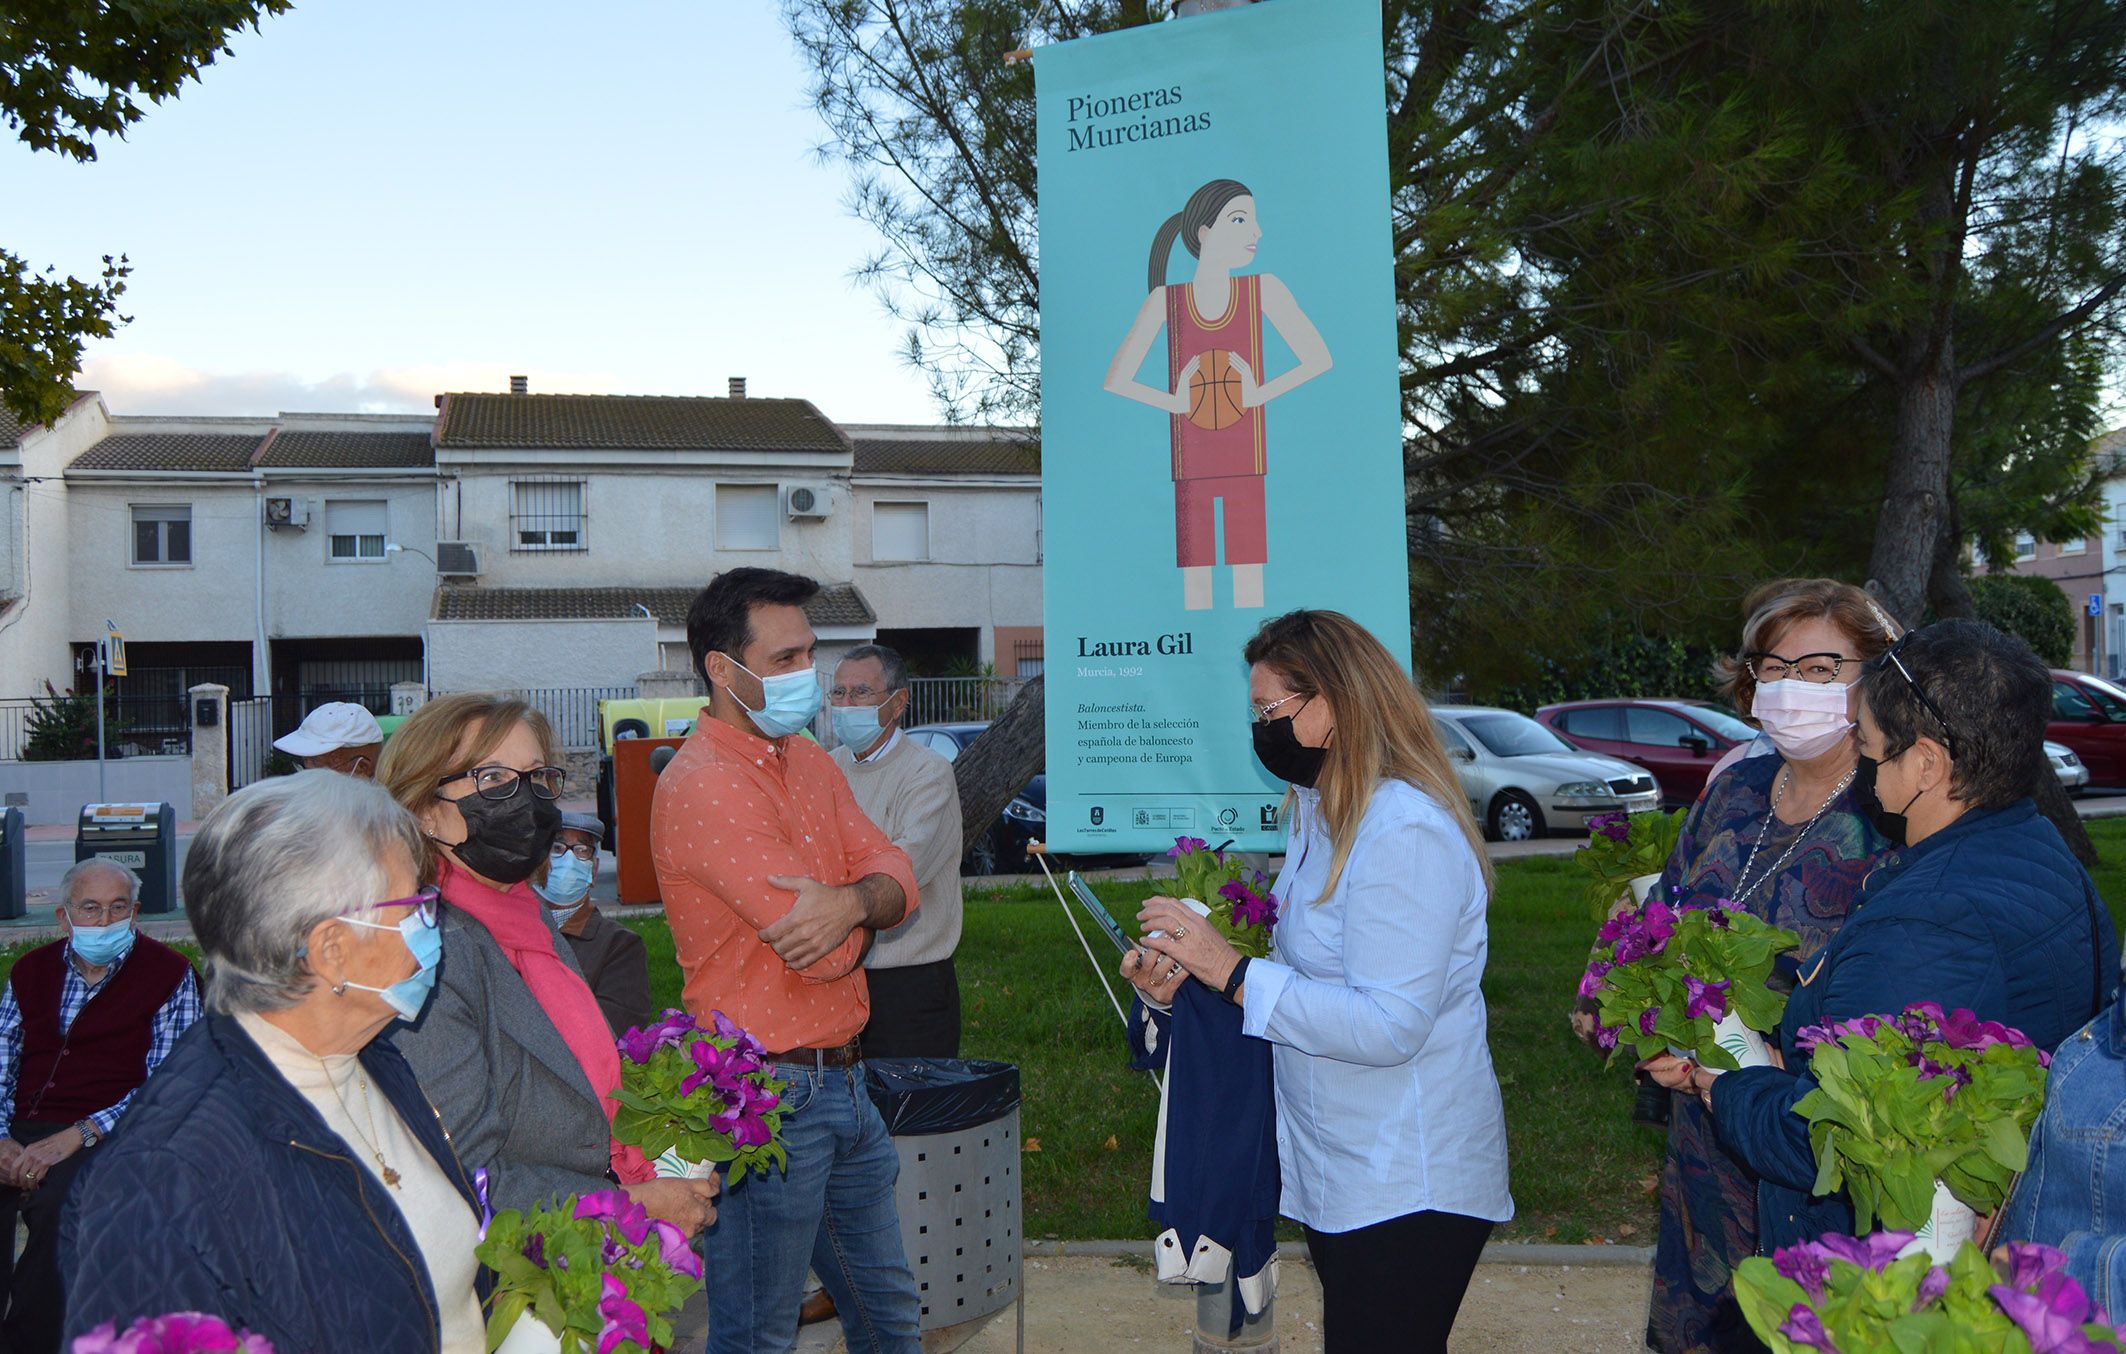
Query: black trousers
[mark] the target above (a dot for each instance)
(36, 1299)
(915, 1011)
(1395, 1285)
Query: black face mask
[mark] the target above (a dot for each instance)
(1892, 826)
(507, 839)
(1281, 753)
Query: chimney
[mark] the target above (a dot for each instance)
(738, 387)
(520, 385)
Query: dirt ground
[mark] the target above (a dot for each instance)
(1095, 1305)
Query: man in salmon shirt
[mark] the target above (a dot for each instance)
(774, 883)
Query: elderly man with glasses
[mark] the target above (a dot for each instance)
(83, 1022)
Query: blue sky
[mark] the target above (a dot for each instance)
(375, 200)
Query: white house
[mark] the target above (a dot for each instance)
(519, 540)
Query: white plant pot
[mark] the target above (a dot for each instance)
(529, 1335)
(1743, 1044)
(1642, 886)
(1946, 1230)
(672, 1166)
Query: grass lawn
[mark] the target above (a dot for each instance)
(1581, 1170)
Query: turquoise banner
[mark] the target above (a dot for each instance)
(1221, 429)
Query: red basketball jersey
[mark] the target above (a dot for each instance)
(1236, 449)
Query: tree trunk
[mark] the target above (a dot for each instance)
(1916, 493)
(2052, 801)
(1946, 592)
(997, 765)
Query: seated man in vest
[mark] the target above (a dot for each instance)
(83, 1022)
(613, 958)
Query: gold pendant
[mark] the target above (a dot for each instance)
(391, 1177)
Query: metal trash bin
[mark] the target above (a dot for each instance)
(14, 864)
(141, 837)
(955, 1123)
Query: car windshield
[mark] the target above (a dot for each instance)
(1722, 721)
(2109, 698)
(1511, 735)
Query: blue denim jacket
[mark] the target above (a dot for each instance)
(2073, 1195)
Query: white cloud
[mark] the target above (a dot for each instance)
(146, 383)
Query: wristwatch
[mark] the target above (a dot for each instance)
(87, 1129)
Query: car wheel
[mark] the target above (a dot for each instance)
(1514, 817)
(982, 856)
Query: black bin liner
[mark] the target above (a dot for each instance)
(940, 1095)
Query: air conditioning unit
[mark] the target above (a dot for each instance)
(458, 559)
(807, 500)
(288, 512)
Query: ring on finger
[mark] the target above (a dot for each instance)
(1181, 933)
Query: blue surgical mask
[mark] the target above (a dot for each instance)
(409, 994)
(568, 878)
(788, 702)
(101, 946)
(856, 727)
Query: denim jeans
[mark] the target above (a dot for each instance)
(832, 1210)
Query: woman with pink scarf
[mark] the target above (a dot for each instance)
(513, 1051)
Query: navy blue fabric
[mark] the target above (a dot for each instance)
(224, 1192)
(1992, 913)
(1221, 1127)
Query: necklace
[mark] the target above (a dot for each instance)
(1744, 885)
(391, 1177)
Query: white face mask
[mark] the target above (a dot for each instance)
(1803, 719)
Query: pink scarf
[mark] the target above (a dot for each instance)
(514, 920)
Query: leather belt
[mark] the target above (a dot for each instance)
(841, 1055)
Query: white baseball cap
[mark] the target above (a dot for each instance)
(340, 724)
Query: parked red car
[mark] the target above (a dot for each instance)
(1677, 740)
(2089, 716)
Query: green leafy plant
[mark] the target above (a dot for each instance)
(1622, 847)
(2031, 607)
(1665, 977)
(1238, 895)
(62, 727)
(704, 1096)
(596, 1270)
(1852, 1295)
(1902, 1101)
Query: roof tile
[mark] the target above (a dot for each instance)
(634, 423)
(350, 450)
(836, 604)
(1003, 451)
(171, 451)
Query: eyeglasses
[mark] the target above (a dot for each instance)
(842, 695)
(423, 903)
(1810, 667)
(98, 914)
(1262, 713)
(1948, 737)
(582, 851)
(500, 782)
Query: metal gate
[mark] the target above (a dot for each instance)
(250, 740)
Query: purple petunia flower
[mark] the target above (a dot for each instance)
(1704, 999)
(1647, 1018)
(1591, 981)
(535, 1249)
(623, 1316)
(1605, 1036)
(2052, 1316)
(673, 1249)
(1805, 1264)
(1804, 1327)
(171, 1333)
(1184, 845)
(2029, 1261)
(618, 1211)
(742, 1042)
(1872, 1252)
(1933, 1286)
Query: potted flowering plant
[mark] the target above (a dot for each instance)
(1686, 980)
(1626, 852)
(1235, 897)
(1924, 1117)
(594, 1272)
(1848, 1295)
(691, 1097)
(171, 1333)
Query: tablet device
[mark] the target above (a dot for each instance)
(1104, 919)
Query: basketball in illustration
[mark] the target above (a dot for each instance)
(1214, 391)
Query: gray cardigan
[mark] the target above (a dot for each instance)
(511, 1094)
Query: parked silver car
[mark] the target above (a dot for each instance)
(1524, 781)
(2074, 776)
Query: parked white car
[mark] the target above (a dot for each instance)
(1523, 781)
(2074, 776)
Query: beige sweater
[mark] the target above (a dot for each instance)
(442, 1225)
(908, 790)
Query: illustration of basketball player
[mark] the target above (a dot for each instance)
(1215, 392)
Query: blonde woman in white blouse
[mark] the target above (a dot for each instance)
(1391, 1138)
(281, 1170)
